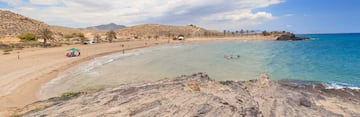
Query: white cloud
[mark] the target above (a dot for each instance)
(288, 25)
(241, 16)
(44, 2)
(130, 12)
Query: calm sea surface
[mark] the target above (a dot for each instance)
(330, 58)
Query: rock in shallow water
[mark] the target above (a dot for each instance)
(290, 36)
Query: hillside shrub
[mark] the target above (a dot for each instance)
(7, 51)
(68, 36)
(73, 35)
(265, 33)
(27, 37)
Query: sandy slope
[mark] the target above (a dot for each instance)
(20, 79)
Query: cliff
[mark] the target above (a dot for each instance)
(198, 95)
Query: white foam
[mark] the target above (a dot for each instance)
(339, 86)
(314, 38)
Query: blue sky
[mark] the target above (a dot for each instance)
(317, 16)
(299, 16)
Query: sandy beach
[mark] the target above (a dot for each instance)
(22, 78)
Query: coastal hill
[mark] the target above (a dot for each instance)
(106, 27)
(153, 30)
(12, 24)
(198, 95)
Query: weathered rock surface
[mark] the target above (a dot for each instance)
(290, 36)
(198, 95)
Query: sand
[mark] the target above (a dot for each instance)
(21, 79)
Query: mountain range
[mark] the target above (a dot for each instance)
(106, 27)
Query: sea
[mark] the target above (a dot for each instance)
(332, 59)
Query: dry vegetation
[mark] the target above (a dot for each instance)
(149, 31)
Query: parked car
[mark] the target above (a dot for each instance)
(180, 37)
(89, 42)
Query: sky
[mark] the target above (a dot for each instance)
(298, 16)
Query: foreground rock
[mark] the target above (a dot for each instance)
(198, 95)
(290, 36)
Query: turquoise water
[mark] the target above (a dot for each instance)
(330, 58)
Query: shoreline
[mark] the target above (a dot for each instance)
(13, 101)
(29, 88)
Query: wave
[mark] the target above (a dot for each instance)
(327, 85)
(340, 86)
(314, 38)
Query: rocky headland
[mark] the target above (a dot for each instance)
(198, 95)
(290, 36)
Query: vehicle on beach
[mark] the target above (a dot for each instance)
(180, 37)
(88, 42)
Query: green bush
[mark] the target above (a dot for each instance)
(73, 35)
(27, 37)
(68, 36)
(7, 51)
(70, 94)
(81, 35)
(265, 33)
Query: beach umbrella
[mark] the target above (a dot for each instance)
(73, 49)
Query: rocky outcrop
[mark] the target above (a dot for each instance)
(198, 95)
(290, 36)
(13, 24)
